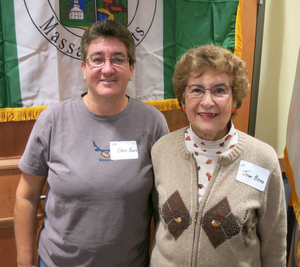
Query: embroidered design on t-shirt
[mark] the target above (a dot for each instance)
(220, 224)
(104, 153)
(176, 215)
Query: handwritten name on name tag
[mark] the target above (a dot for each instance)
(253, 175)
(123, 150)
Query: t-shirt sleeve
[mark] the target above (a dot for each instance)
(163, 126)
(35, 157)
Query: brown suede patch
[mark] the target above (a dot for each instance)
(176, 215)
(220, 224)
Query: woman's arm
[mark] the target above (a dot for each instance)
(27, 198)
(272, 226)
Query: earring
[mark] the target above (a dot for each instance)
(232, 110)
(184, 109)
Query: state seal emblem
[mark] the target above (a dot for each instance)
(62, 22)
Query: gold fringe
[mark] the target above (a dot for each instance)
(297, 259)
(32, 113)
(20, 114)
(294, 197)
(164, 105)
(238, 31)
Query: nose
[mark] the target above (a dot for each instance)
(107, 67)
(207, 99)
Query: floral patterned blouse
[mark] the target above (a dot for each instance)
(206, 154)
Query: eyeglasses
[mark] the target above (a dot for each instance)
(99, 61)
(196, 91)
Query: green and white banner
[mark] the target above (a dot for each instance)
(40, 46)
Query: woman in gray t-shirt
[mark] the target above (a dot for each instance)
(94, 153)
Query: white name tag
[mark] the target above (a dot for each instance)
(253, 175)
(123, 150)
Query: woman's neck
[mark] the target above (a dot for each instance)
(105, 106)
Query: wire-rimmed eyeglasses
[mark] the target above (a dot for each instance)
(197, 91)
(99, 61)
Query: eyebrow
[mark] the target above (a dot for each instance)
(113, 54)
(196, 84)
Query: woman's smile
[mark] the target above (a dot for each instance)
(205, 115)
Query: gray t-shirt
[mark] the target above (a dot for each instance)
(97, 210)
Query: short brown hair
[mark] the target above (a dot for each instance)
(108, 28)
(202, 58)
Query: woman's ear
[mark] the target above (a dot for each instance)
(182, 104)
(83, 68)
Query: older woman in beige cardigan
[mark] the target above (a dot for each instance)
(218, 192)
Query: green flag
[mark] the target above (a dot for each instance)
(40, 46)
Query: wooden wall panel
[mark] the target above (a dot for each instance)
(9, 180)
(13, 137)
(249, 19)
(8, 252)
(176, 119)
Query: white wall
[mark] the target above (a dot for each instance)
(280, 49)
